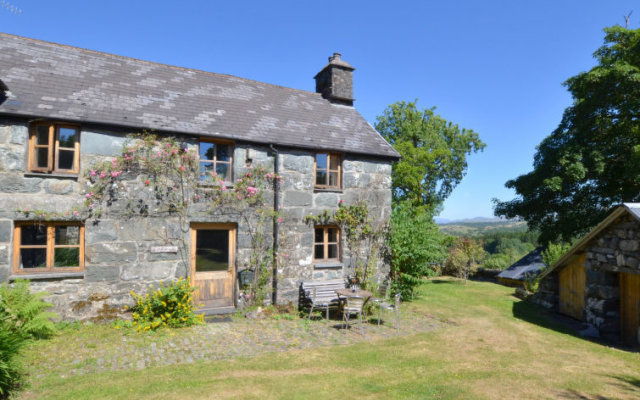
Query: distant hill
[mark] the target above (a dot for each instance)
(481, 226)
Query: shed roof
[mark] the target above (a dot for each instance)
(632, 209)
(526, 267)
(55, 81)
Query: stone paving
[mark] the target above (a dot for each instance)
(237, 337)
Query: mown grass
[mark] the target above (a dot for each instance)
(495, 347)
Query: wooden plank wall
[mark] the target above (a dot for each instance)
(629, 307)
(572, 279)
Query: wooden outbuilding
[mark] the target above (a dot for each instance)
(598, 279)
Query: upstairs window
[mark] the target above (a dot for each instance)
(326, 245)
(48, 247)
(54, 148)
(328, 170)
(216, 159)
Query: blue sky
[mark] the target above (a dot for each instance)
(496, 67)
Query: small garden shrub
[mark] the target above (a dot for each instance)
(10, 344)
(23, 316)
(24, 312)
(170, 306)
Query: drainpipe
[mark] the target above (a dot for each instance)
(274, 295)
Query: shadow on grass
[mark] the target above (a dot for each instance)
(574, 394)
(544, 318)
(451, 282)
(628, 383)
(559, 323)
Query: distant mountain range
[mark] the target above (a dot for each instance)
(445, 221)
(479, 226)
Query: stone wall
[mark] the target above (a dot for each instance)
(614, 250)
(547, 294)
(363, 180)
(118, 255)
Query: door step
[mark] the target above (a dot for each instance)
(216, 310)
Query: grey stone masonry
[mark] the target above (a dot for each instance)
(613, 251)
(117, 245)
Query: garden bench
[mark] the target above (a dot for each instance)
(321, 294)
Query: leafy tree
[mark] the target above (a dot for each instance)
(591, 162)
(417, 248)
(464, 257)
(553, 252)
(498, 261)
(433, 154)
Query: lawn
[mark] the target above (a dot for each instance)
(493, 347)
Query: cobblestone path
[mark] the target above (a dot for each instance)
(238, 337)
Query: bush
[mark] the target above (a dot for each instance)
(553, 252)
(463, 258)
(25, 312)
(23, 316)
(170, 306)
(10, 344)
(416, 249)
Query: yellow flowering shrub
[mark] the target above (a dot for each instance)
(169, 305)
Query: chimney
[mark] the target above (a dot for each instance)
(335, 81)
(4, 92)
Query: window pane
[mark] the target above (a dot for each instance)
(319, 252)
(42, 134)
(319, 235)
(207, 151)
(33, 235)
(321, 161)
(66, 257)
(333, 179)
(212, 250)
(65, 159)
(66, 235)
(223, 152)
(333, 251)
(335, 162)
(66, 137)
(33, 258)
(333, 235)
(321, 178)
(223, 171)
(206, 169)
(42, 157)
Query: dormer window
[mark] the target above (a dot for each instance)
(54, 148)
(216, 159)
(328, 171)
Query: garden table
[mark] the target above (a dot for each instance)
(358, 292)
(347, 295)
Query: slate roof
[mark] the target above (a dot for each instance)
(528, 266)
(55, 81)
(632, 209)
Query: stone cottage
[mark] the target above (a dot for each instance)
(598, 280)
(62, 109)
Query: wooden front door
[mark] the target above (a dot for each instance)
(629, 307)
(212, 265)
(571, 285)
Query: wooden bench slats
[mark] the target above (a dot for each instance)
(325, 290)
